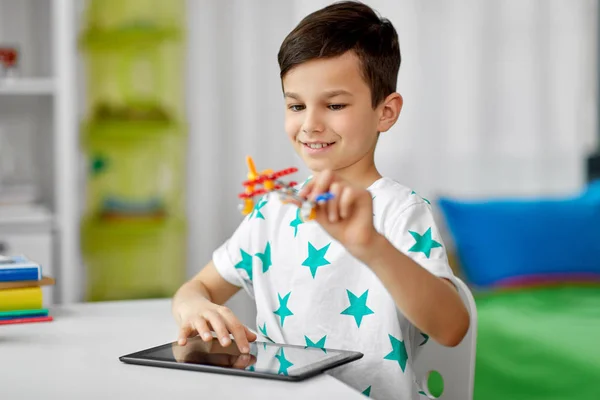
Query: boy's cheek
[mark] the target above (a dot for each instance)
(292, 127)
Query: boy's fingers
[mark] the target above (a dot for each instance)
(347, 198)
(251, 336)
(236, 328)
(202, 328)
(184, 332)
(307, 188)
(322, 184)
(239, 334)
(218, 325)
(332, 204)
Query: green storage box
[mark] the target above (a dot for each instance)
(135, 168)
(134, 259)
(123, 14)
(134, 76)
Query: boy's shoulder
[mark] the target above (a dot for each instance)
(394, 196)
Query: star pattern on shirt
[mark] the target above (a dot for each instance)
(319, 345)
(265, 257)
(424, 243)
(367, 392)
(263, 330)
(296, 222)
(425, 339)
(283, 311)
(256, 211)
(245, 263)
(284, 363)
(398, 352)
(424, 199)
(358, 306)
(316, 258)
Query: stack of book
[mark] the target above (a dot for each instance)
(21, 297)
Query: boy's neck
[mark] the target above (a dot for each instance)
(361, 174)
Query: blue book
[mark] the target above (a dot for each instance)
(19, 268)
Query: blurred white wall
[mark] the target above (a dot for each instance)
(500, 99)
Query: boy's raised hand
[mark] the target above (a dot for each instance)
(348, 216)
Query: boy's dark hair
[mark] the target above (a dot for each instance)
(341, 27)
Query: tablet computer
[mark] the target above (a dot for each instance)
(265, 360)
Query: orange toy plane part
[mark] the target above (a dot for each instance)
(252, 174)
(270, 181)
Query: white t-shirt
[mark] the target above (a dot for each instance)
(310, 291)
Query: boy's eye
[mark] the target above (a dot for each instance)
(296, 107)
(336, 107)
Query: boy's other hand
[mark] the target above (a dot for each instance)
(204, 316)
(348, 216)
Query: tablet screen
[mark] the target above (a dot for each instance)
(267, 358)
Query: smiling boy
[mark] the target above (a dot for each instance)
(370, 273)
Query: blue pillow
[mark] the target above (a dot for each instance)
(503, 241)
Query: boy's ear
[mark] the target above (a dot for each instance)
(390, 111)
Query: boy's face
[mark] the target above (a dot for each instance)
(329, 117)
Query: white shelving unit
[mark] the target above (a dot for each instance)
(27, 86)
(39, 138)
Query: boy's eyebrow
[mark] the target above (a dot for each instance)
(329, 94)
(292, 95)
(339, 92)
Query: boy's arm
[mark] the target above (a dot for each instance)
(207, 284)
(428, 301)
(431, 303)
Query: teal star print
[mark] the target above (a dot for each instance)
(425, 339)
(283, 310)
(358, 306)
(367, 392)
(424, 243)
(398, 352)
(265, 257)
(256, 211)
(251, 368)
(246, 263)
(424, 199)
(294, 224)
(316, 258)
(284, 363)
(319, 345)
(263, 330)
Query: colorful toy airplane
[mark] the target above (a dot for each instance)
(270, 181)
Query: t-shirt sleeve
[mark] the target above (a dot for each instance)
(413, 231)
(234, 258)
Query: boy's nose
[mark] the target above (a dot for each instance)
(312, 123)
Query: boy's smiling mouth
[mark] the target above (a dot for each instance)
(317, 145)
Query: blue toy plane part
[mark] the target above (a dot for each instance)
(324, 197)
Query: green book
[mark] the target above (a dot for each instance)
(23, 313)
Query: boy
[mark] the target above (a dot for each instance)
(370, 273)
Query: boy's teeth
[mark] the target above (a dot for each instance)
(317, 145)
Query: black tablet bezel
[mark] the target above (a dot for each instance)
(303, 373)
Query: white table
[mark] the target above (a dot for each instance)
(76, 357)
